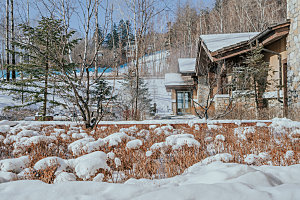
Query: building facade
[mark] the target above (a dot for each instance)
(293, 48)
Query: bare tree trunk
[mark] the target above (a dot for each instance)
(7, 41)
(136, 63)
(96, 39)
(13, 55)
(46, 87)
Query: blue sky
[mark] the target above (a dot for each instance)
(120, 11)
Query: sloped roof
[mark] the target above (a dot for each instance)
(176, 79)
(187, 65)
(215, 42)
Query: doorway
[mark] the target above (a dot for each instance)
(183, 102)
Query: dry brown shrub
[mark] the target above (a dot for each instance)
(166, 162)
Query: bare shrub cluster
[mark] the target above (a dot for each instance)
(247, 143)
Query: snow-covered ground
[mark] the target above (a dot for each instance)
(154, 64)
(102, 158)
(156, 88)
(214, 181)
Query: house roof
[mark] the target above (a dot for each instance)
(223, 46)
(215, 42)
(176, 79)
(187, 65)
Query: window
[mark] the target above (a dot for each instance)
(183, 102)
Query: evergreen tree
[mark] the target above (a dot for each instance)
(125, 32)
(42, 53)
(112, 39)
(253, 76)
(127, 97)
(101, 95)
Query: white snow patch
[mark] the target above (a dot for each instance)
(4, 128)
(220, 138)
(99, 177)
(51, 162)
(7, 176)
(134, 144)
(86, 166)
(77, 146)
(15, 165)
(251, 159)
(64, 177)
(116, 138)
(233, 181)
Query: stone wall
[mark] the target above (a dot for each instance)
(293, 48)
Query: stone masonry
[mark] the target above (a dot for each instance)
(293, 48)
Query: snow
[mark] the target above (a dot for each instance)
(15, 165)
(111, 155)
(64, 177)
(116, 138)
(279, 124)
(77, 146)
(99, 177)
(173, 79)
(4, 128)
(251, 159)
(243, 132)
(233, 181)
(187, 65)
(87, 165)
(264, 155)
(28, 133)
(220, 138)
(134, 144)
(224, 157)
(215, 173)
(51, 162)
(216, 42)
(178, 141)
(148, 153)
(273, 94)
(118, 162)
(7, 176)
(289, 154)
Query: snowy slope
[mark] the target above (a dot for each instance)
(214, 181)
(156, 86)
(153, 64)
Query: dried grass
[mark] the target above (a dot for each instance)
(167, 162)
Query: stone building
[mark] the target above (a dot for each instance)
(293, 48)
(281, 49)
(202, 83)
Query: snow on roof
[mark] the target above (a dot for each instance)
(176, 79)
(216, 42)
(187, 65)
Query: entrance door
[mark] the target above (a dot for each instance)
(183, 102)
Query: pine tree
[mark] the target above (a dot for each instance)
(101, 96)
(40, 69)
(112, 39)
(125, 32)
(253, 76)
(128, 96)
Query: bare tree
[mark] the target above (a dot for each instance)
(143, 11)
(7, 41)
(13, 55)
(211, 82)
